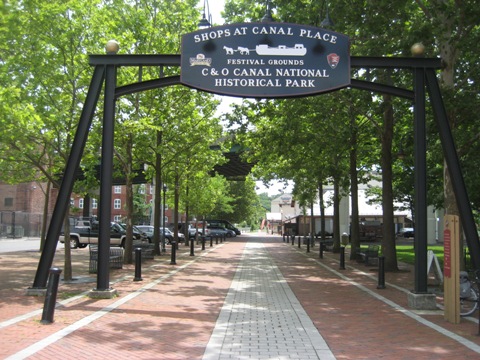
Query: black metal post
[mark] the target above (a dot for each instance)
(173, 260)
(308, 243)
(381, 272)
(13, 224)
(293, 239)
(138, 265)
(105, 210)
(342, 257)
(51, 296)
(66, 186)
(321, 250)
(192, 246)
(421, 276)
(211, 240)
(299, 241)
(203, 242)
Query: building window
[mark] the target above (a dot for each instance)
(117, 218)
(117, 189)
(8, 202)
(80, 203)
(151, 189)
(141, 189)
(94, 204)
(72, 202)
(117, 204)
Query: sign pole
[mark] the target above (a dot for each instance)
(451, 268)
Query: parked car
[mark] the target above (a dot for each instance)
(147, 230)
(169, 236)
(218, 230)
(83, 236)
(406, 232)
(225, 224)
(137, 233)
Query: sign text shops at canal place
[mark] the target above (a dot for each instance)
(265, 60)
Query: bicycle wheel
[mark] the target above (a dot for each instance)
(469, 304)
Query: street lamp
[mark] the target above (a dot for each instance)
(163, 217)
(268, 13)
(204, 23)
(327, 22)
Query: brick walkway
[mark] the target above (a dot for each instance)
(174, 311)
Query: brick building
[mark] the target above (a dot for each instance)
(22, 207)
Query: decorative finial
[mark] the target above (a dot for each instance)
(112, 47)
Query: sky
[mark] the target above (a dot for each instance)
(216, 7)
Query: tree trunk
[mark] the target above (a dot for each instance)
(67, 264)
(336, 215)
(448, 53)
(388, 239)
(157, 212)
(128, 257)
(175, 212)
(322, 210)
(355, 219)
(45, 215)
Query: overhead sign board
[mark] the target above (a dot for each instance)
(270, 60)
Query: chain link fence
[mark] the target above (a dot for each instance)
(18, 224)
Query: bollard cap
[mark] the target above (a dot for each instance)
(55, 270)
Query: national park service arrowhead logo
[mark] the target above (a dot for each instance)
(333, 60)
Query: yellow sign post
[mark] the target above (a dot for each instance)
(451, 269)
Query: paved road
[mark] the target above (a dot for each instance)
(250, 297)
(21, 244)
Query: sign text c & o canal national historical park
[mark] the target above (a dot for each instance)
(269, 60)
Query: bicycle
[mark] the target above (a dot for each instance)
(469, 293)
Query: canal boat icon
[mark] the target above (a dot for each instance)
(282, 50)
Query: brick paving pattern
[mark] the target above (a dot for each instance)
(173, 312)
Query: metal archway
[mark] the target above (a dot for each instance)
(105, 72)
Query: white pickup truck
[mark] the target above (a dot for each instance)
(82, 235)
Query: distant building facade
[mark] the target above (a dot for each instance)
(22, 207)
(286, 215)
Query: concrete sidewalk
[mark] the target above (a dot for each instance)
(251, 297)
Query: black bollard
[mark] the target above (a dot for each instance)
(342, 257)
(173, 260)
(192, 247)
(211, 240)
(51, 296)
(308, 244)
(299, 241)
(283, 237)
(138, 265)
(203, 242)
(381, 272)
(293, 239)
(321, 250)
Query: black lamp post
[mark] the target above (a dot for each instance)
(163, 218)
